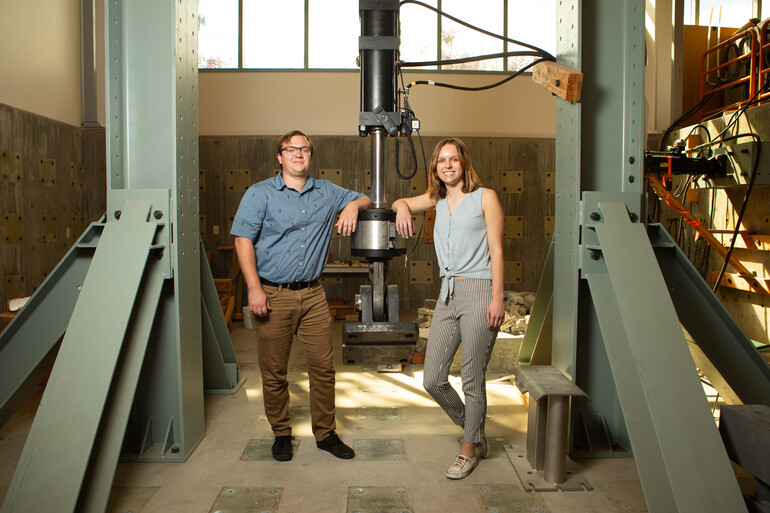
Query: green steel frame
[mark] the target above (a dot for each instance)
(132, 308)
(618, 295)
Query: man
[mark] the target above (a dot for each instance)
(282, 231)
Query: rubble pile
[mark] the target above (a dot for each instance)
(518, 306)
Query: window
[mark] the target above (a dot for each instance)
(321, 34)
(458, 41)
(333, 34)
(724, 13)
(274, 34)
(218, 33)
(419, 29)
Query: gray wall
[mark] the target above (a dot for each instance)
(52, 186)
(229, 164)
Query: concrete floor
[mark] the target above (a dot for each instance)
(404, 445)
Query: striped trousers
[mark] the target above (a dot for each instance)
(462, 319)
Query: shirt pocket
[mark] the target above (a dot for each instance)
(321, 212)
(281, 217)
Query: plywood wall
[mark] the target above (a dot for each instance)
(52, 185)
(519, 169)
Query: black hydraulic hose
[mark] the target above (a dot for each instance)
(754, 173)
(414, 158)
(471, 59)
(540, 51)
(480, 88)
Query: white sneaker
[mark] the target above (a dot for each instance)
(484, 447)
(462, 467)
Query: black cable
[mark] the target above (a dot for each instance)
(742, 109)
(701, 126)
(480, 88)
(683, 118)
(422, 148)
(540, 51)
(471, 59)
(754, 173)
(414, 157)
(407, 120)
(417, 240)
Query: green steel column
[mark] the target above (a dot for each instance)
(599, 148)
(151, 62)
(130, 371)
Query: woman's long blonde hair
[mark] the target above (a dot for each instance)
(436, 188)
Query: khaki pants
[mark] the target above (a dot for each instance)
(304, 313)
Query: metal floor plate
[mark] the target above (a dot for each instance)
(626, 495)
(509, 499)
(261, 450)
(378, 499)
(377, 388)
(532, 480)
(247, 500)
(374, 413)
(296, 413)
(125, 499)
(379, 450)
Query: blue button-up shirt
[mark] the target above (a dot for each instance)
(291, 230)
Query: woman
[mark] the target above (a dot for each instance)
(468, 236)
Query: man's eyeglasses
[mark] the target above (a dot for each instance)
(293, 150)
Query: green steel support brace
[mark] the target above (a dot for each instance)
(667, 415)
(615, 330)
(145, 335)
(59, 444)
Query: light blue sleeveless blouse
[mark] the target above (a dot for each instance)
(461, 242)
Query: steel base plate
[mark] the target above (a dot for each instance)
(532, 480)
(379, 343)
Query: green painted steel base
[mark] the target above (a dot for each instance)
(59, 445)
(673, 440)
(735, 357)
(29, 344)
(541, 313)
(80, 430)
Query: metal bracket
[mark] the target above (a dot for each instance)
(590, 254)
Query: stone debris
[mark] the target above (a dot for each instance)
(518, 306)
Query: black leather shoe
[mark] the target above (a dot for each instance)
(282, 449)
(334, 445)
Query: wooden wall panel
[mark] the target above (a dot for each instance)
(45, 196)
(77, 197)
(352, 155)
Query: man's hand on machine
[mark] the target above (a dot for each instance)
(348, 219)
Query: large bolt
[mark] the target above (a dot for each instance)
(117, 214)
(595, 216)
(634, 217)
(158, 214)
(595, 255)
